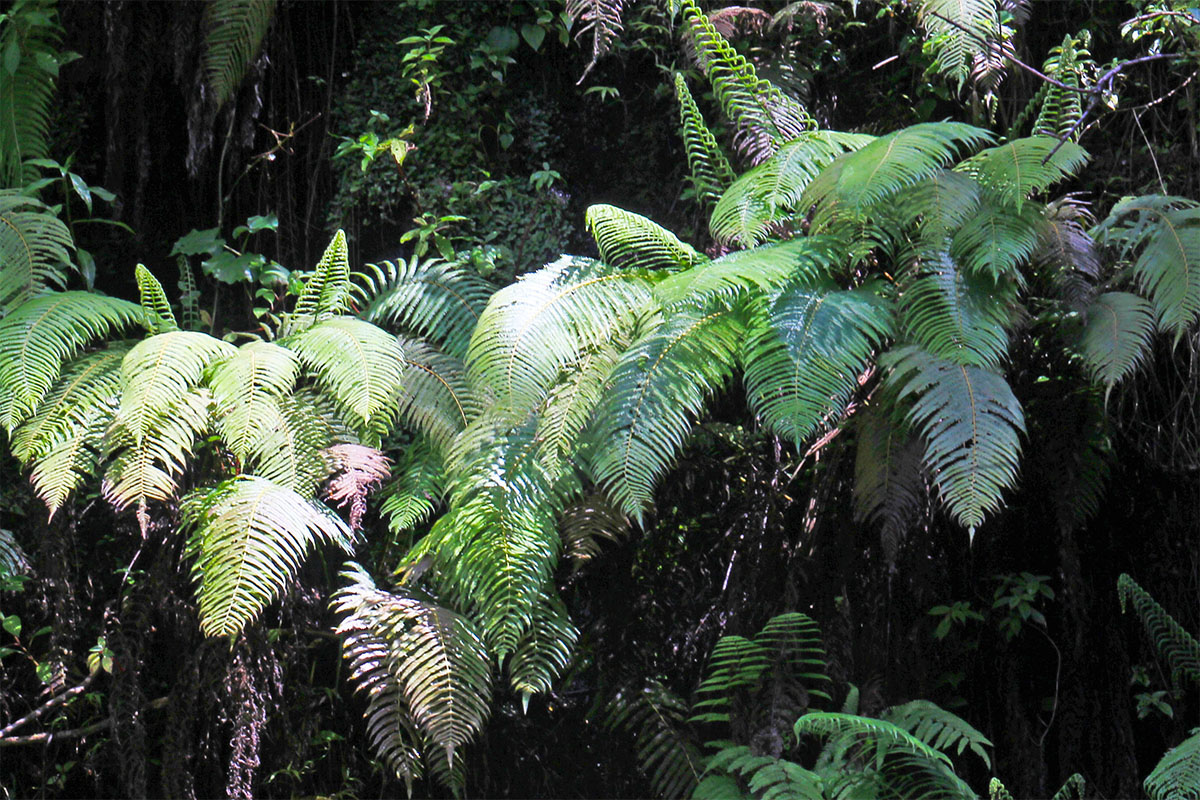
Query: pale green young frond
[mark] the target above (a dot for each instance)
(998, 791)
(889, 481)
(534, 329)
(436, 299)
(961, 32)
(755, 202)
(544, 651)
(1020, 168)
(939, 728)
(248, 538)
(887, 166)
(805, 352)
(235, 33)
(40, 335)
(954, 314)
(258, 374)
(418, 482)
(159, 317)
(1177, 646)
(327, 292)
(631, 241)
(1116, 336)
(34, 245)
(711, 172)
(70, 459)
(654, 396)
(1177, 775)
(971, 423)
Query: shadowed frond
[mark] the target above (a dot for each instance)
(34, 245)
(327, 292)
(585, 523)
(436, 299)
(1177, 646)
(235, 33)
(664, 753)
(938, 728)
(544, 651)
(29, 37)
(941, 204)
(570, 403)
(159, 317)
(416, 488)
(970, 421)
(889, 481)
(534, 329)
(602, 18)
(805, 353)
(631, 241)
(1073, 788)
(654, 395)
(288, 443)
(248, 537)
(736, 664)
(961, 32)
(1116, 336)
(12, 558)
(748, 210)
(436, 659)
(1068, 252)
(433, 394)
(711, 172)
(1177, 775)
(955, 314)
(1017, 169)
(37, 337)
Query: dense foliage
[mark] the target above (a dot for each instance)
(824, 469)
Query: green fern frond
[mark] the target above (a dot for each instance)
(997, 240)
(939, 728)
(654, 394)
(764, 118)
(248, 537)
(328, 291)
(1177, 646)
(40, 335)
(1073, 788)
(159, 317)
(736, 663)
(29, 31)
(766, 777)
(886, 167)
(569, 405)
(537, 327)
(971, 423)
(600, 17)
(748, 210)
(544, 651)
(960, 33)
(1068, 252)
(436, 659)
(439, 300)
(1177, 775)
(235, 32)
(288, 445)
(940, 205)
(1060, 109)
(664, 753)
(1116, 336)
(889, 483)
(256, 376)
(585, 523)
(13, 560)
(998, 791)
(710, 169)
(416, 489)
(189, 295)
(34, 249)
(805, 351)
(1018, 169)
(954, 314)
(631, 241)
(433, 394)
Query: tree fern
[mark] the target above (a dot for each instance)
(711, 173)
(155, 306)
(29, 31)
(630, 241)
(433, 395)
(34, 249)
(435, 299)
(1115, 339)
(889, 483)
(37, 337)
(749, 208)
(248, 538)
(1177, 775)
(1060, 109)
(970, 421)
(288, 446)
(1177, 646)
(938, 728)
(806, 351)
(960, 32)
(235, 33)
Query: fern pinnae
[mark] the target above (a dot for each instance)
(30, 32)
(327, 291)
(544, 651)
(1020, 168)
(711, 172)
(631, 241)
(889, 483)
(1177, 774)
(155, 305)
(34, 249)
(235, 33)
(962, 32)
(1116, 336)
(434, 397)
(1179, 647)
(259, 374)
(939, 728)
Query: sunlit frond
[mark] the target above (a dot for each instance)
(544, 651)
(631, 241)
(1020, 168)
(710, 169)
(159, 317)
(34, 245)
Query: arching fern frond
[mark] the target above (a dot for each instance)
(433, 394)
(37, 337)
(235, 33)
(711, 172)
(416, 489)
(997, 240)
(664, 752)
(1073, 788)
(1177, 775)
(1067, 251)
(749, 208)
(13, 560)
(34, 249)
(248, 538)
(439, 300)
(960, 32)
(245, 385)
(970, 421)
(1116, 336)
(585, 523)
(631, 241)
(939, 728)
(1177, 646)
(544, 651)
(1017, 169)
(889, 481)
(288, 444)
(159, 317)
(569, 405)
(806, 349)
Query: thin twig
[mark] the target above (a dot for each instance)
(48, 737)
(57, 700)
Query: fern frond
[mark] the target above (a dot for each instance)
(889, 482)
(537, 327)
(31, 33)
(805, 352)
(747, 211)
(13, 560)
(1068, 252)
(664, 753)
(327, 292)
(711, 172)
(439, 300)
(1060, 109)
(569, 405)
(433, 395)
(998, 791)
(40, 335)
(436, 659)
(235, 32)
(887, 166)
(288, 445)
(763, 116)
(248, 537)
(1177, 775)
(602, 18)
(585, 523)
(1073, 788)
(939, 728)
(736, 663)
(1116, 336)
(34, 249)
(159, 317)
(960, 33)
(655, 392)
(1177, 646)
(544, 651)
(631, 241)
(257, 375)
(416, 488)
(189, 295)
(997, 240)
(970, 421)
(1020, 168)
(766, 777)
